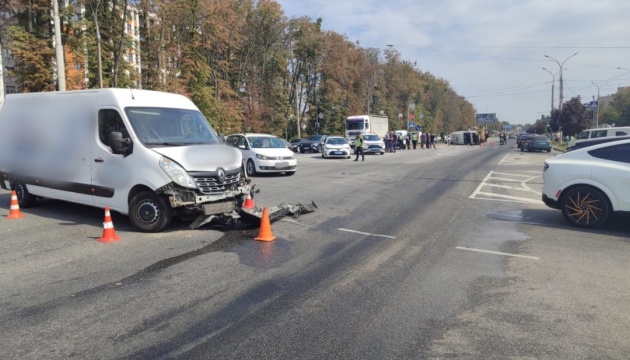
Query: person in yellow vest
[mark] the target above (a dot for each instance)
(414, 140)
(358, 147)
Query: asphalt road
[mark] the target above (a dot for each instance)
(445, 253)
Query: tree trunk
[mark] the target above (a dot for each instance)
(120, 44)
(1, 79)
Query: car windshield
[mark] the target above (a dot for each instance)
(336, 141)
(371, 137)
(316, 138)
(170, 127)
(354, 124)
(264, 142)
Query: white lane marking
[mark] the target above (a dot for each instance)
(364, 233)
(508, 197)
(498, 253)
(478, 189)
(510, 187)
(289, 220)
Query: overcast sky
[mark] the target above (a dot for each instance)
(492, 51)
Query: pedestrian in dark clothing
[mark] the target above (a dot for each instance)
(394, 142)
(358, 147)
(388, 141)
(423, 139)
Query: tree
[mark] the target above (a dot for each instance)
(574, 117)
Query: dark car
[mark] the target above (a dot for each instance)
(295, 144)
(521, 138)
(286, 143)
(312, 144)
(536, 143)
(597, 141)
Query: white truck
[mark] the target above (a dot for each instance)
(148, 154)
(376, 124)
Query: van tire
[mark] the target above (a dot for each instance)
(25, 199)
(250, 168)
(150, 212)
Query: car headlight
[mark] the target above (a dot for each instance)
(546, 167)
(177, 173)
(265, 157)
(292, 157)
(327, 147)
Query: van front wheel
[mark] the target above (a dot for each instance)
(25, 199)
(150, 212)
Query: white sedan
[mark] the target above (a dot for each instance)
(263, 153)
(336, 146)
(589, 184)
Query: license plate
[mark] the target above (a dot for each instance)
(337, 153)
(282, 165)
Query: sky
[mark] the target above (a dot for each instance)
(492, 52)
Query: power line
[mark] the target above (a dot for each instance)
(511, 46)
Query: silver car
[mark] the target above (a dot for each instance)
(336, 146)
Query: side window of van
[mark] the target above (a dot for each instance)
(621, 133)
(599, 134)
(583, 135)
(109, 121)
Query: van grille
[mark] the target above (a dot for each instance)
(209, 185)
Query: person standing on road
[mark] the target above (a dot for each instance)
(358, 147)
(394, 142)
(388, 141)
(414, 140)
(423, 138)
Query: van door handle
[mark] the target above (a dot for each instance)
(99, 160)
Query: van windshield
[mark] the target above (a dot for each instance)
(170, 127)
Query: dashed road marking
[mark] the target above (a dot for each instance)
(365, 233)
(522, 179)
(498, 253)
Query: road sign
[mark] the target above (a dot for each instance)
(418, 128)
(486, 118)
(412, 116)
(412, 124)
(594, 105)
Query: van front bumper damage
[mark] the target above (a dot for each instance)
(225, 208)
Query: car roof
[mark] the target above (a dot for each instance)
(599, 146)
(253, 134)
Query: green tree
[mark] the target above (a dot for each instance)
(574, 117)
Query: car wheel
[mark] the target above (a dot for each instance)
(548, 150)
(522, 149)
(150, 212)
(585, 206)
(302, 151)
(250, 168)
(25, 199)
(383, 153)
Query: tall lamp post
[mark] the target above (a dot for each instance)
(553, 83)
(561, 64)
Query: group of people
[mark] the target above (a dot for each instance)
(394, 141)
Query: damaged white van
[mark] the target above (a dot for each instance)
(148, 154)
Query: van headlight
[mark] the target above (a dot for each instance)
(265, 157)
(177, 173)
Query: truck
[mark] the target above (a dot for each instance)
(146, 154)
(376, 124)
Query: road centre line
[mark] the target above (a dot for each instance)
(498, 253)
(364, 233)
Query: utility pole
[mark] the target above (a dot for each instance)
(1, 79)
(553, 83)
(297, 108)
(597, 113)
(61, 67)
(98, 45)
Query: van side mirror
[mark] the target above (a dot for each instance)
(119, 145)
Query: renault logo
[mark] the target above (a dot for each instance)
(221, 176)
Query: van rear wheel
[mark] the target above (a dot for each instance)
(25, 199)
(150, 212)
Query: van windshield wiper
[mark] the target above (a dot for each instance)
(163, 144)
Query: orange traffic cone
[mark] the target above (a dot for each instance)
(249, 203)
(109, 235)
(15, 207)
(264, 234)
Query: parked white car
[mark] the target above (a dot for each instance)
(589, 184)
(373, 143)
(336, 146)
(264, 153)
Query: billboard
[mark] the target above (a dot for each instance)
(486, 118)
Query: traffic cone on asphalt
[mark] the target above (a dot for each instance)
(249, 202)
(264, 234)
(14, 212)
(109, 234)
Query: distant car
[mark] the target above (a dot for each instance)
(589, 184)
(591, 142)
(602, 132)
(521, 138)
(536, 143)
(312, 144)
(336, 146)
(263, 153)
(296, 144)
(373, 144)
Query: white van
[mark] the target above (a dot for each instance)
(601, 132)
(148, 154)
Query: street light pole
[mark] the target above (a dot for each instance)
(597, 116)
(561, 80)
(553, 83)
